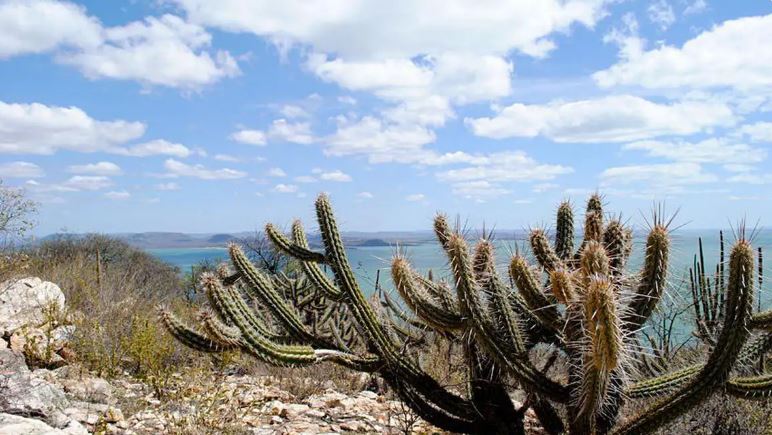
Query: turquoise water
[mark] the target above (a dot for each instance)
(368, 260)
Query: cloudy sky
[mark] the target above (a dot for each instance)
(202, 115)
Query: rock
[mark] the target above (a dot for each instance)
(113, 415)
(23, 393)
(89, 389)
(38, 347)
(26, 301)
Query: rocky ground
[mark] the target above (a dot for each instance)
(64, 398)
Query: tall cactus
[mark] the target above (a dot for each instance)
(582, 303)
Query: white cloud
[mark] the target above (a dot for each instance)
(365, 195)
(733, 54)
(352, 28)
(167, 186)
(707, 151)
(758, 132)
(39, 129)
(99, 168)
(178, 169)
(164, 51)
(118, 195)
(37, 26)
(415, 197)
(657, 175)
(276, 172)
(250, 137)
(380, 142)
(87, 182)
(21, 170)
(225, 158)
(293, 111)
(335, 175)
(502, 167)
(607, 119)
(155, 147)
(347, 99)
(297, 132)
(285, 188)
(696, 7)
(661, 13)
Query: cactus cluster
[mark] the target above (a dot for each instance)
(579, 303)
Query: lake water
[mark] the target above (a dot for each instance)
(368, 260)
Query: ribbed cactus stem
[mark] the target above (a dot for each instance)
(542, 250)
(723, 356)
(218, 331)
(530, 290)
(602, 324)
(286, 245)
(482, 262)
(564, 232)
(442, 230)
(562, 285)
(408, 285)
(187, 335)
(615, 240)
(311, 270)
(594, 262)
(653, 278)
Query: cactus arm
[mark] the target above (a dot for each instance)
(662, 384)
(262, 288)
(219, 331)
(615, 240)
(519, 365)
(564, 234)
(653, 279)
(531, 292)
(408, 287)
(542, 250)
(754, 387)
(424, 384)
(755, 348)
(312, 271)
(292, 249)
(189, 336)
(762, 320)
(503, 316)
(439, 291)
(731, 339)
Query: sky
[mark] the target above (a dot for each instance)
(214, 116)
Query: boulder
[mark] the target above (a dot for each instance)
(26, 394)
(14, 425)
(27, 301)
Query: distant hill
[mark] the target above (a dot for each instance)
(160, 240)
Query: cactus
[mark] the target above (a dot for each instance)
(582, 303)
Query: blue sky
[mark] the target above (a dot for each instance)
(204, 116)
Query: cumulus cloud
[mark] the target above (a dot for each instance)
(166, 50)
(661, 13)
(176, 168)
(657, 175)
(732, 54)
(296, 132)
(21, 170)
(39, 129)
(757, 132)
(380, 141)
(335, 175)
(87, 182)
(365, 195)
(608, 119)
(99, 168)
(249, 137)
(415, 197)
(285, 188)
(155, 147)
(163, 51)
(167, 186)
(713, 150)
(37, 26)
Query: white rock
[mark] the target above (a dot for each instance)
(24, 301)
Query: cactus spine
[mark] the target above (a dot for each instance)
(316, 319)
